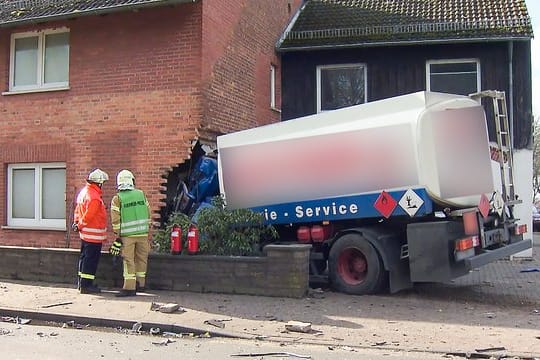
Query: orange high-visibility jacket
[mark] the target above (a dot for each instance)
(91, 215)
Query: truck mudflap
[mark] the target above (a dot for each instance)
(491, 255)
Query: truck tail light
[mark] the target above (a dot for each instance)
(467, 243)
(521, 229)
(320, 233)
(303, 235)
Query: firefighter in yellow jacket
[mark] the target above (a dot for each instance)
(130, 217)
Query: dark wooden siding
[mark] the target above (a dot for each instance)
(399, 70)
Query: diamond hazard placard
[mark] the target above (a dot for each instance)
(411, 202)
(385, 204)
(483, 206)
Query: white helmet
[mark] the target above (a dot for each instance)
(125, 180)
(98, 176)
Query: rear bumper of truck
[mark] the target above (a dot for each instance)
(431, 248)
(491, 255)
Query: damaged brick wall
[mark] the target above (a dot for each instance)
(138, 95)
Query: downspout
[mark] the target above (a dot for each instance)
(511, 90)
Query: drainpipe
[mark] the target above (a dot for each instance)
(511, 90)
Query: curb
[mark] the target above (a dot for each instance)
(109, 323)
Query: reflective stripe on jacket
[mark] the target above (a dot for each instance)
(91, 215)
(134, 214)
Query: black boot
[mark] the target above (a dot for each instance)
(124, 293)
(92, 289)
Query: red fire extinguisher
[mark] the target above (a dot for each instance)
(193, 239)
(176, 240)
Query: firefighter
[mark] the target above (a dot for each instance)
(90, 220)
(130, 217)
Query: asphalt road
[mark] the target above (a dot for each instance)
(29, 342)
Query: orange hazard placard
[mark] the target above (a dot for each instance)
(385, 204)
(483, 206)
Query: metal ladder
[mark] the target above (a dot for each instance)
(504, 141)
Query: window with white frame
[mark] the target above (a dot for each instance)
(39, 60)
(36, 195)
(459, 76)
(340, 86)
(273, 75)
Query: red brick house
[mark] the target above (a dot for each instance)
(122, 84)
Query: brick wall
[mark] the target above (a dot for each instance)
(134, 102)
(283, 271)
(239, 39)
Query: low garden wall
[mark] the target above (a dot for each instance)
(282, 271)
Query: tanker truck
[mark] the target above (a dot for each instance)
(388, 193)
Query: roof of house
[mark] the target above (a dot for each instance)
(18, 12)
(351, 23)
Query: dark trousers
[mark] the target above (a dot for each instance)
(88, 263)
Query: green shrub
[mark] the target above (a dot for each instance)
(162, 237)
(232, 232)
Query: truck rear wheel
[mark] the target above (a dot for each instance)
(355, 267)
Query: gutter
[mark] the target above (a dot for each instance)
(99, 11)
(400, 43)
(290, 26)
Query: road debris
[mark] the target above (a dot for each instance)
(172, 334)
(57, 304)
(302, 327)
(73, 324)
(467, 355)
(16, 320)
(155, 330)
(42, 334)
(4, 331)
(163, 342)
(137, 327)
(166, 307)
(274, 354)
(298, 326)
(217, 322)
(499, 348)
(317, 293)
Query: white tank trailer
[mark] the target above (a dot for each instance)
(323, 179)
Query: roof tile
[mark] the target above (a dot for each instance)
(364, 22)
(17, 12)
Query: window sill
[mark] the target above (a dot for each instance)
(37, 90)
(7, 227)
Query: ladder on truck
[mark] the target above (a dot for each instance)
(504, 142)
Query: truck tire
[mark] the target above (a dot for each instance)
(355, 267)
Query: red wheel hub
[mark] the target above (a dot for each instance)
(352, 266)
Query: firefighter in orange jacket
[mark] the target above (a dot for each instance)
(90, 220)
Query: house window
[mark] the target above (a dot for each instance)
(273, 86)
(36, 195)
(39, 60)
(340, 86)
(453, 76)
